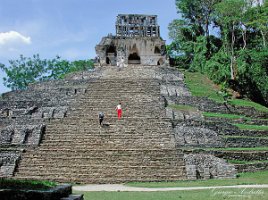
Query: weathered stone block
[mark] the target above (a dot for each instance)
(196, 137)
(204, 166)
(8, 162)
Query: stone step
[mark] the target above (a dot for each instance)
(109, 152)
(103, 171)
(78, 138)
(77, 178)
(64, 168)
(86, 162)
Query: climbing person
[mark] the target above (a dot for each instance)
(119, 110)
(101, 117)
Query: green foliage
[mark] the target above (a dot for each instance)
(237, 56)
(25, 71)
(252, 73)
(200, 50)
(26, 184)
(217, 67)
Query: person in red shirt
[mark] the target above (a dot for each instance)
(119, 110)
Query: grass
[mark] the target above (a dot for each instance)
(245, 137)
(251, 127)
(183, 107)
(240, 149)
(243, 179)
(208, 194)
(26, 184)
(224, 115)
(242, 102)
(247, 162)
(230, 149)
(201, 86)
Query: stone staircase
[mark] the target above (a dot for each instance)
(74, 148)
(52, 129)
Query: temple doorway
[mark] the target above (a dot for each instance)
(134, 58)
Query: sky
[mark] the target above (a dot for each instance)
(68, 28)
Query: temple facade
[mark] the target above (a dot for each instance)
(137, 41)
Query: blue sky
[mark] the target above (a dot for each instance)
(68, 28)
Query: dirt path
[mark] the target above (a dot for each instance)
(121, 187)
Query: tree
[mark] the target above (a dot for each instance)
(229, 14)
(256, 18)
(24, 71)
(235, 57)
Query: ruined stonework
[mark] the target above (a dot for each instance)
(191, 136)
(22, 134)
(204, 166)
(137, 41)
(8, 162)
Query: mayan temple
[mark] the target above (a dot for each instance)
(137, 41)
(51, 130)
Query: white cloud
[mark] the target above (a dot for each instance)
(13, 38)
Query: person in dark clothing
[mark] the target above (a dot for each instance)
(101, 117)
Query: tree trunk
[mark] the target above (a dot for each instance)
(232, 52)
(244, 35)
(263, 39)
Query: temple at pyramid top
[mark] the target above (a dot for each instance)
(136, 41)
(131, 25)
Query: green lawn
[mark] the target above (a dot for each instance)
(251, 127)
(242, 102)
(201, 86)
(209, 194)
(243, 179)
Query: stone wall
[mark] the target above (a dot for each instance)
(122, 48)
(245, 142)
(251, 167)
(22, 134)
(8, 163)
(205, 166)
(193, 136)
